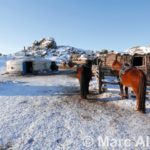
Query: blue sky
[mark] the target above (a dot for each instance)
(87, 24)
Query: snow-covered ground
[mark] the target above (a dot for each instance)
(46, 112)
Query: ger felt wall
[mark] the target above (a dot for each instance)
(16, 66)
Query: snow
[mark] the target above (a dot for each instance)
(2, 63)
(138, 50)
(48, 49)
(46, 112)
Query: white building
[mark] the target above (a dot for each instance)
(28, 65)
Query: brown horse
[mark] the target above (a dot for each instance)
(134, 78)
(84, 74)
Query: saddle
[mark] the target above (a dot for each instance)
(125, 67)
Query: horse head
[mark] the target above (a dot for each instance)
(116, 66)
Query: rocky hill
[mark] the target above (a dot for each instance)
(48, 49)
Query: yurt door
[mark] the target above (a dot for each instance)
(24, 68)
(28, 67)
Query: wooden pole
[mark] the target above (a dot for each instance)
(100, 77)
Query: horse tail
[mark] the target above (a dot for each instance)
(83, 84)
(142, 91)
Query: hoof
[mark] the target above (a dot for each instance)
(141, 111)
(122, 97)
(83, 97)
(125, 97)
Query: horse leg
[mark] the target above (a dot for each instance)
(83, 85)
(87, 88)
(121, 91)
(126, 93)
(88, 78)
(83, 90)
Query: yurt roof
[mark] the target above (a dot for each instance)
(23, 59)
(138, 50)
